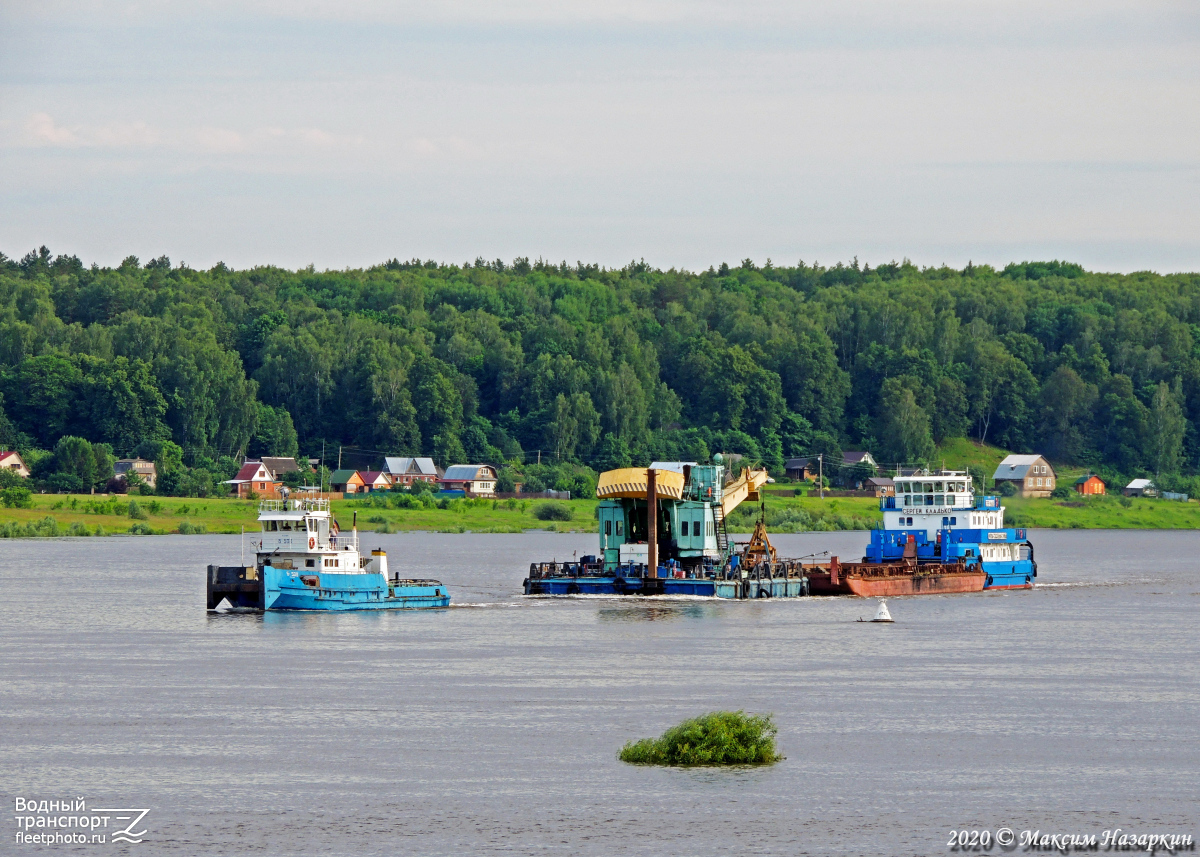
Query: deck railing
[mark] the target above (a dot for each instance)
(295, 504)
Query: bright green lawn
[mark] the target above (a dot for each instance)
(784, 514)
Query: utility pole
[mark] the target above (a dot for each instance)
(339, 456)
(821, 470)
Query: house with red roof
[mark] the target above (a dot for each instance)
(375, 480)
(10, 460)
(254, 477)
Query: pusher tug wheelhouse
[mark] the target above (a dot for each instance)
(937, 512)
(304, 563)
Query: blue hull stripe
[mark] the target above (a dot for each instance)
(286, 590)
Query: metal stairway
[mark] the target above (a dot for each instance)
(722, 534)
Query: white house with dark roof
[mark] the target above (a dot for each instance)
(1032, 475)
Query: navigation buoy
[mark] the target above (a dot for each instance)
(882, 614)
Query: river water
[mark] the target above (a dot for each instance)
(492, 727)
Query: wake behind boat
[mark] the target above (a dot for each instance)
(304, 563)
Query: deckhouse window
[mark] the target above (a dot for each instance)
(683, 528)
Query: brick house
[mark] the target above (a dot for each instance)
(254, 477)
(1032, 475)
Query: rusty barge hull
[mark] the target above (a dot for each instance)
(890, 579)
(916, 584)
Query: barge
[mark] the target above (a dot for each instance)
(303, 562)
(662, 532)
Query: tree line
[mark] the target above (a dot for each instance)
(586, 368)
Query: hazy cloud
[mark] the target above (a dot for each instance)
(685, 132)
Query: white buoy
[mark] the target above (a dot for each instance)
(882, 614)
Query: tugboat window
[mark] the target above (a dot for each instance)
(608, 528)
(683, 528)
(620, 527)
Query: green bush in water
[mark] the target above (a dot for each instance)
(552, 511)
(718, 738)
(187, 528)
(140, 529)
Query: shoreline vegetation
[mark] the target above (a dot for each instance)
(57, 515)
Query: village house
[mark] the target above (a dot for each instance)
(857, 466)
(346, 481)
(143, 469)
(374, 480)
(800, 468)
(882, 486)
(1140, 488)
(254, 478)
(1032, 475)
(10, 460)
(851, 458)
(280, 466)
(477, 479)
(404, 471)
(1090, 484)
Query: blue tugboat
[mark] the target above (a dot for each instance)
(938, 514)
(304, 563)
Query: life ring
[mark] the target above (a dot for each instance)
(312, 542)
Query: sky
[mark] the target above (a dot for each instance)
(342, 134)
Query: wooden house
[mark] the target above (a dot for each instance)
(346, 481)
(1032, 475)
(882, 486)
(800, 468)
(374, 480)
(1090, 484)
(477, 479)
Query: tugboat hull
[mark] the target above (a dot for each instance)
(286, 589)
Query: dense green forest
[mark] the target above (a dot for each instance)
(582, 366)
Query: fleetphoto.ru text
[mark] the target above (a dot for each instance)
(71, 822)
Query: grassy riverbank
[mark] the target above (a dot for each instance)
(87, 515)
